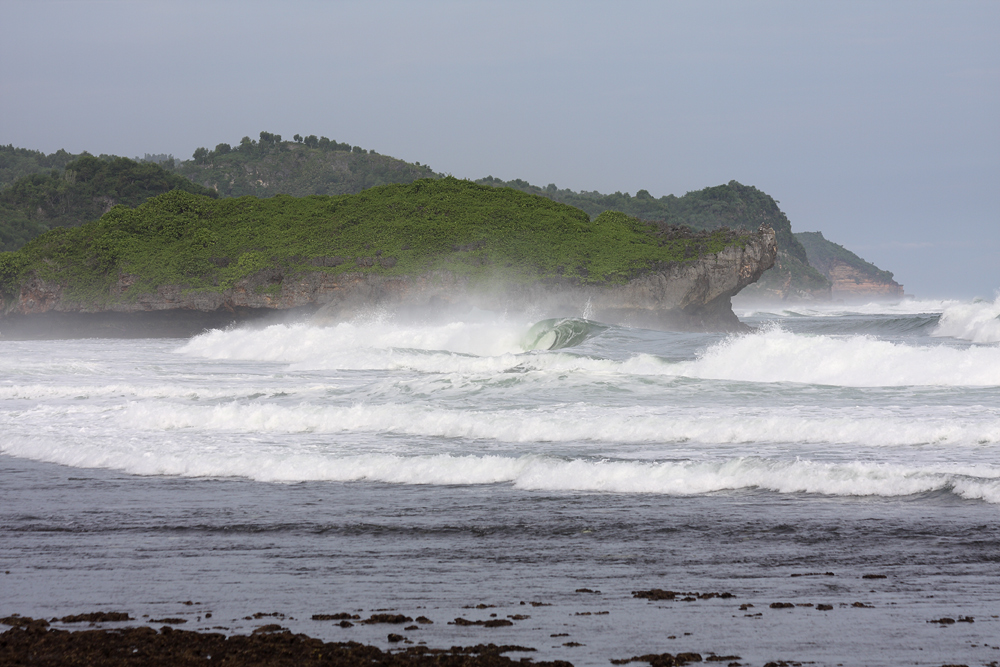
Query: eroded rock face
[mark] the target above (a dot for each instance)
(693, 295)
(849, 283)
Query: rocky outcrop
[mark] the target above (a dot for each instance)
(689, 295)
(851, 277)
(849, 284)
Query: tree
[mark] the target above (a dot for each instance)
(311, 141)
(298, 138)
(200, 155)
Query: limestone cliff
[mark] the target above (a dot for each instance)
(683, 295)
(852, 277)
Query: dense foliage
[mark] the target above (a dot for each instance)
(17, 163)
(87, 188)
(182, 239)
(824, 255)
(731, 205)
(306, 166)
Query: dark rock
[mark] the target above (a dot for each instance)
(169, 621)
(661, 659)
(782, 605)
(492, 623)
(25, 622)
(874, 576)
(386, 618)
(26, 644)
(102, 617)
(334, 617)
(943, 621)
(395, 638)
(270, 627)
(660, 594)
(824, 607)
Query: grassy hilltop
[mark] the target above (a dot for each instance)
(194, 241)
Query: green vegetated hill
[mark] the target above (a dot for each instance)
(17, 163)
(306, 166)
(314, 165)
(82, 191)
(825, 255)
(194, 241)
(731, 205)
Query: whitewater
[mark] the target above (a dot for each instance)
(859, 427)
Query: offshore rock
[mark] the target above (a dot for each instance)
(693, 295)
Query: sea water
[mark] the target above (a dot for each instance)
(430, 466)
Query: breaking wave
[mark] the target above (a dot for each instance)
(767, 356)
(545, 473)
(978, 322)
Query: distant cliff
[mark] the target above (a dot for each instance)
(180, 262)
(851, 276)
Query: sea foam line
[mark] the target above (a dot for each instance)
(578, 422)
(540, 473)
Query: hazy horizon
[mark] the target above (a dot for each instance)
(872, 123)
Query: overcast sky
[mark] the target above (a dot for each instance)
(875, 123)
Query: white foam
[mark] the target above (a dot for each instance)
(533, 472)
(770, 355)
(775, 355)
(906, 306)
(978, 322)
(971, 426)
(293, 343)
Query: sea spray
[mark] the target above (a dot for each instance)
(978, 322)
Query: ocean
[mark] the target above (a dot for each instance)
(484, 466)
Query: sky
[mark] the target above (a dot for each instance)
(877, 123)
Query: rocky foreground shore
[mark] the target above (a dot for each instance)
(34, 642)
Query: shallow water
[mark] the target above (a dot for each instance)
(425, 467)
